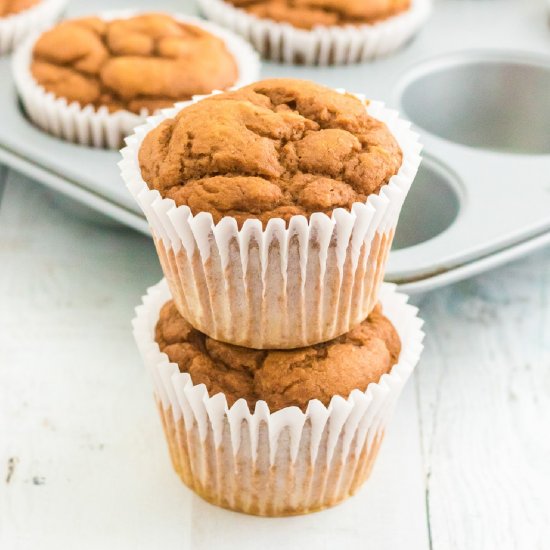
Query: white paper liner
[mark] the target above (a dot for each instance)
(322, 45)
(97, 127)
(282, 287)
(281, 463)
(14, 28)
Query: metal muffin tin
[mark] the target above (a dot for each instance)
(476, 85)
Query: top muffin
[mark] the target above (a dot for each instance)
(276, 148)
(307, 14)
(144, 62)
(282, 378)
(11, 7)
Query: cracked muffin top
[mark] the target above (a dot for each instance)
(276, 148)
(144, 62)
(11, 7)
(282, 378)
(307, 14)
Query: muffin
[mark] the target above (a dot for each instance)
(105, 74)
(308, 14)
(281, 378)
(276, 432)
(321, 31)
(273, 221)
(11, 7)
(19, 18)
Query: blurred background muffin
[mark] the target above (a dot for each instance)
(307, 14)
(145, 62)
(117, 70)
(19, 18)
(11, 7)
(321, 31)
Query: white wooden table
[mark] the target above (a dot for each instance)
(466, 463)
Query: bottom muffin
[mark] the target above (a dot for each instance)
(276, 432)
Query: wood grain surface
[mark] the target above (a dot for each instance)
(466, 463)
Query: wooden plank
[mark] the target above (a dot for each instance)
(484, 393)
(82, 461)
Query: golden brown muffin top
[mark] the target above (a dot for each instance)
(306, 14)
(282, 378)
(276, 148)
(144, 62)
(11, 7)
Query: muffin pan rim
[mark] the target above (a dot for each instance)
(453, 184)
(459, 243)
(416, 262)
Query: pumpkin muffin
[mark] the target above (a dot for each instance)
(307, 14)
(146, 62)
(321, 32)
(21, 18)
(274, 149)
(273, 208)
(281, 378)
(93, 80)
(276, 432)
(11, 7)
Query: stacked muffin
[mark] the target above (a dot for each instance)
(277, 355)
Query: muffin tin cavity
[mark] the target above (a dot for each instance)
(432, 205)
(494, 101)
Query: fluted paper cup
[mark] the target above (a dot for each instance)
(14, 28)
(321, 45)
(281, 463)
(86, 125)
(285, 286)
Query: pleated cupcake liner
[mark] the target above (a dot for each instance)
(14, 28)
(274, 463)
(285, 286)
(97, 127)
(323, 45)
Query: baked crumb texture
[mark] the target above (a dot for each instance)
(276, 148)
(145, 62)
(281, 378)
